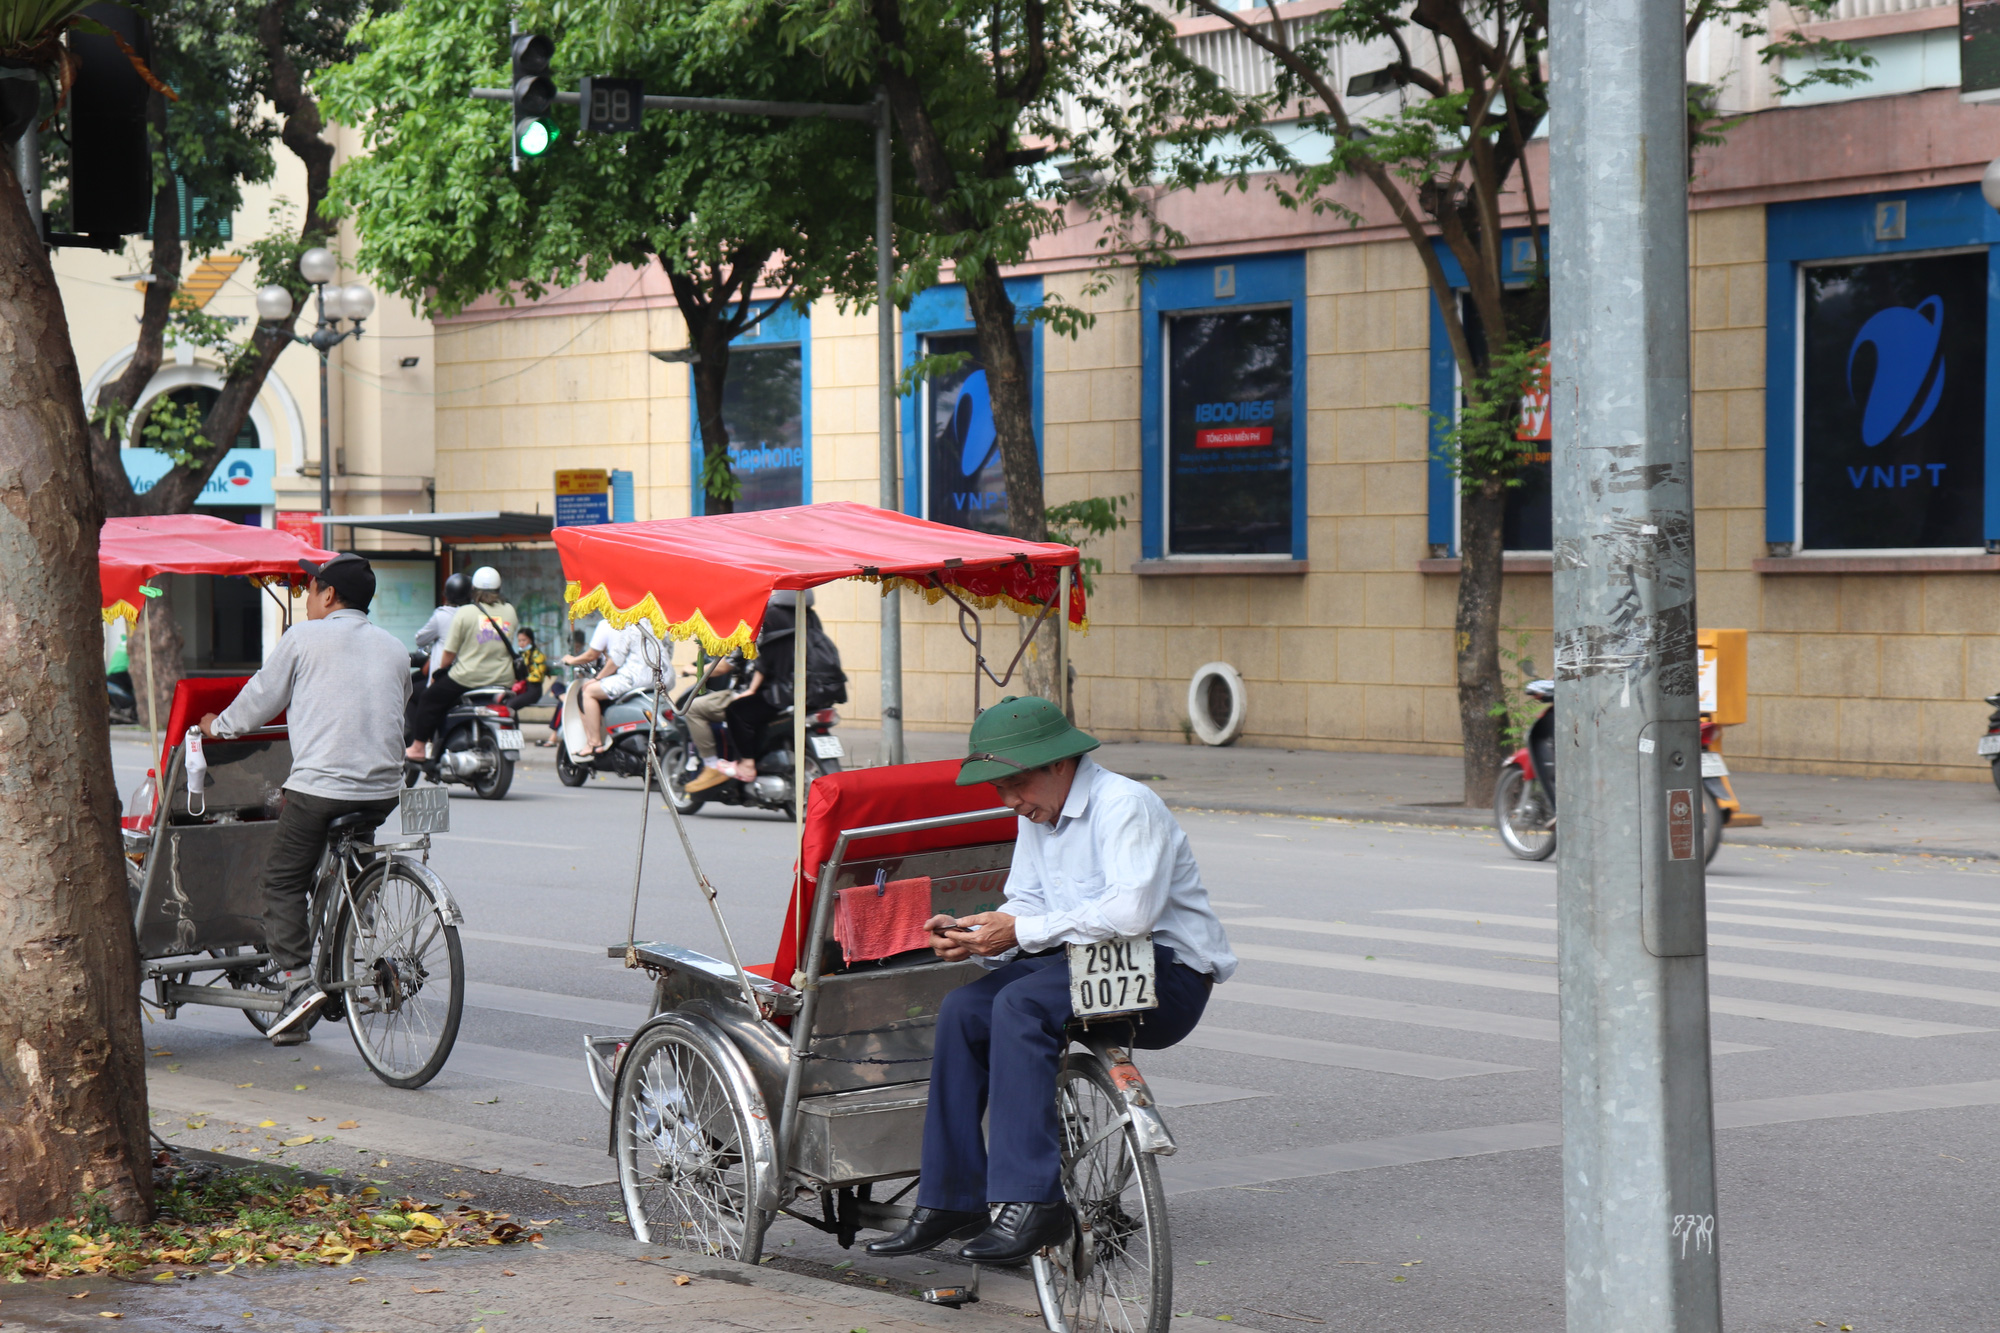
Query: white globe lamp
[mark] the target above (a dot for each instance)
(274, 304)
(358, 302)
(1989, 184)
(318, 266)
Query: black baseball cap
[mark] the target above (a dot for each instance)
(351, 578)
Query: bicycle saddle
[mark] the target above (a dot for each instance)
(352, 825)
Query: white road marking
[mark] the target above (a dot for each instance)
(1483, 1021)
(1171, 1092)
(508, 842)
(1183, 1176)
(1908, 990)
(1940, 902)
(1830, 909)
(1341, 1055)
(1814, 949)
(1879, 1024)
(610, 1015)
(487, 936)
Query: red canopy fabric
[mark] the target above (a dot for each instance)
(133, 550)
(710, 576)
(864, 797)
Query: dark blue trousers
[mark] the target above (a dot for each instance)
(999, 1043)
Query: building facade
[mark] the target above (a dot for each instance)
(1265, 408)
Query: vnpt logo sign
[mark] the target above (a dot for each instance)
(972, 426)
(1909, 369)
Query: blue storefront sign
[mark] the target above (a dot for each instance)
(581, 511)
(243, 477)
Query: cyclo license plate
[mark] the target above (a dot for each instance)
(1112, 976)
(1989, 745)
(425, 810)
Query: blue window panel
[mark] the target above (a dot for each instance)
(1945, 217)
(621, 496)
(1516, 266)
(782, 327)
(1257, 280)
(943, 310)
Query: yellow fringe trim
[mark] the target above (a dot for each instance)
(696, 626)
(121, 610)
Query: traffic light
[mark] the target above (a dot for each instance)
(610, 106)
(534, 93)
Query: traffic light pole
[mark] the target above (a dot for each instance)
(874, 113)
(1638, 1109)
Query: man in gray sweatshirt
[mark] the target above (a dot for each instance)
(343, 682)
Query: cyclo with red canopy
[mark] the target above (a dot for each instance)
(798, 1086)
(385, 927)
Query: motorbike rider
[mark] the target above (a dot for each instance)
(628, 666)
(476, 652)
(769, 690)
(527, 693)
(1096, 857)
(341, 681)
(457, 592)
(705, 713)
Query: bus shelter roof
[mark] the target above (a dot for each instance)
(709, 577)
(131, 551)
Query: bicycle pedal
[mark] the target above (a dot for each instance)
(952, 1297)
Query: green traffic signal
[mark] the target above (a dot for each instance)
(534, 137)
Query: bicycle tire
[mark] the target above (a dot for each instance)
(1711, 825)
(1090, 1283)
(692, 1141)
(411, 1043)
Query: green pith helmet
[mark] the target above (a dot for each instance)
(1017, 734)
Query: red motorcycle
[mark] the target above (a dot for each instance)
(1524, 799)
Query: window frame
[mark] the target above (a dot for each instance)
(1252, 282)
(942, 311)
(1939, 220)
(1442, 526)
(783, 327)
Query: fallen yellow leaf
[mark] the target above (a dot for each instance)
(316, 1118)
(109, 1314)
(246, 1085)
(348, 1124)
(426, 1291)
(293, 1143)
(264, 1124)
(682, 1279)
(351, 1281)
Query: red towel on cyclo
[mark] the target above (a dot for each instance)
(871, 923)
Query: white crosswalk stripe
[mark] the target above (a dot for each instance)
(1341, 1055)
(1912, 990)
(1857, 952)
(1941, 902)
(1831, 909)
(1880, 1024)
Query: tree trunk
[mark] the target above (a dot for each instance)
(1480, 539)
(1013, 403)
(72, 1076)
(711, 373)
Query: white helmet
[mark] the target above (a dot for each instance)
(486, 579)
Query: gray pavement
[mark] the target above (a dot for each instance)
(1367, 1118)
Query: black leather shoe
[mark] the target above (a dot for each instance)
(928, 1227)
(1019, 1230)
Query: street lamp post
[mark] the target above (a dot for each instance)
(334, 303)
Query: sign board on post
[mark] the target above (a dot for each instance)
(1724, 664)
(303, 524)
(583, 497)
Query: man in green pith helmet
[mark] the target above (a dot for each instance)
(1097, 857)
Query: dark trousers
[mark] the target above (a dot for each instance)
(1000, 1041)
(427, 710)
(288, 874)
(746, 719)
(525, 695)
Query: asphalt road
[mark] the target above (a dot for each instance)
(1366, 1118)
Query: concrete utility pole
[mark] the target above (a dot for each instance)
(1638, 1111)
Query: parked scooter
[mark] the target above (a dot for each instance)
(477, 744)
(1989, 744)
(1524, 799)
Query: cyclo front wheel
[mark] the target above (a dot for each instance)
(693, 1142)
(1115, 1274)
(402, 975)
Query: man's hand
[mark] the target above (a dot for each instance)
(948, 949)
(994, 934)
(208, 725)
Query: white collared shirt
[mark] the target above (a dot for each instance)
(1115, 862)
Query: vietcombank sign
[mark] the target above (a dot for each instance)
(243, 477)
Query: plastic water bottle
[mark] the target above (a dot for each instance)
(197, 769)
(139, 806)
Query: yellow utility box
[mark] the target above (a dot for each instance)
(1725, 675)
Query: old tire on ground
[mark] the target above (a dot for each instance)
(1216, 703)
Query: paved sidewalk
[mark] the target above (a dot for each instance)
(575, 1282)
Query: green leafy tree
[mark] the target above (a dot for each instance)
(725, 204)
(1018, 117)
(1474, 82)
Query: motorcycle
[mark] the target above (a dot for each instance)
(1524, 799)
(477, 744)
(1989, 744)
(628, 723)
